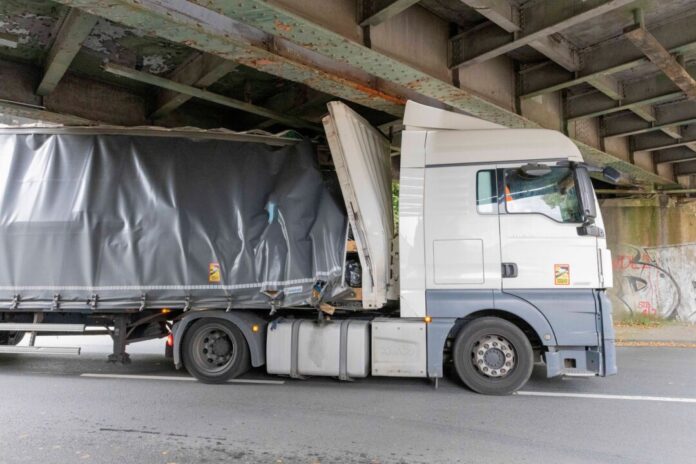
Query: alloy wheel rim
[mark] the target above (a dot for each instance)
(493, 356)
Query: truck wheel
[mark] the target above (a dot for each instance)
(493, 356)
(11, 338)
(214, 351)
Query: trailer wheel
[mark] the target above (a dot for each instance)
(214, 351)
(493, 356)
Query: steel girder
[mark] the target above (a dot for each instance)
(194, 25)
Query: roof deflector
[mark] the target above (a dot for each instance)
(427, 117)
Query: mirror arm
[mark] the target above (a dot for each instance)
(591, 230)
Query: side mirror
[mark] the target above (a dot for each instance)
(586, 193)
(535, 170)
(611, 174)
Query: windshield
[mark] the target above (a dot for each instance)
(553, 194)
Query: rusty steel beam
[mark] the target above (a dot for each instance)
(275, 20)
(267, 37)
(279, 22)
(660, 57)
(191, 25)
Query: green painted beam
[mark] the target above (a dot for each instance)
(182, 23)
(378, 11)
(74, 30)
(599, 158)
(274, 20)
(151, 79)
(277, 21)
(185, 23)
(202, 71)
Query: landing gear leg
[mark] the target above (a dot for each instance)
(119, 337)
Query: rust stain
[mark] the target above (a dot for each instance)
(258, 62)
(281, 26)
(377, 94)
(415, 84)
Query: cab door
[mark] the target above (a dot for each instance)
(462, 248)
(540, 245)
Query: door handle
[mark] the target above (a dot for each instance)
(509, 270)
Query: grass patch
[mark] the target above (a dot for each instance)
(638, 320)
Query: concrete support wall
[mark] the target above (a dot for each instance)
(494, 80)
(546, 110)
(653, 244)
(619, 147)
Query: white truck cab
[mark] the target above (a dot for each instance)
(499, 229)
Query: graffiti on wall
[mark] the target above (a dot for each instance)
(657, 281)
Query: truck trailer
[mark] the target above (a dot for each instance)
(247, 249)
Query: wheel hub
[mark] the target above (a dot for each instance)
(216, 349)
(221, 347)
(493, 356)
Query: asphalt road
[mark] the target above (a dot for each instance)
(50, 412)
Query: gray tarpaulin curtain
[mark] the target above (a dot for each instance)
(162, 221)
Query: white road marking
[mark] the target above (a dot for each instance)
(667, 399)
(171, 377)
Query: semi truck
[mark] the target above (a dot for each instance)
(250, 250)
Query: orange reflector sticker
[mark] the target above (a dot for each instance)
(561, 274)
(214, 273)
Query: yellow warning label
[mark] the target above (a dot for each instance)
(561, 274)
(214, 272)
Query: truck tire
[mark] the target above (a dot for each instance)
(11, 338)
(493, 356)
(214, 351)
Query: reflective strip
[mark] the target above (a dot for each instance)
(280, 283)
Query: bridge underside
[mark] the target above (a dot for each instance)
(615, 75)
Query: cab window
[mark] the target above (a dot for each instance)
(554, 194)
(486, 194)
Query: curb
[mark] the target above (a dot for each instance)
(655, 343)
